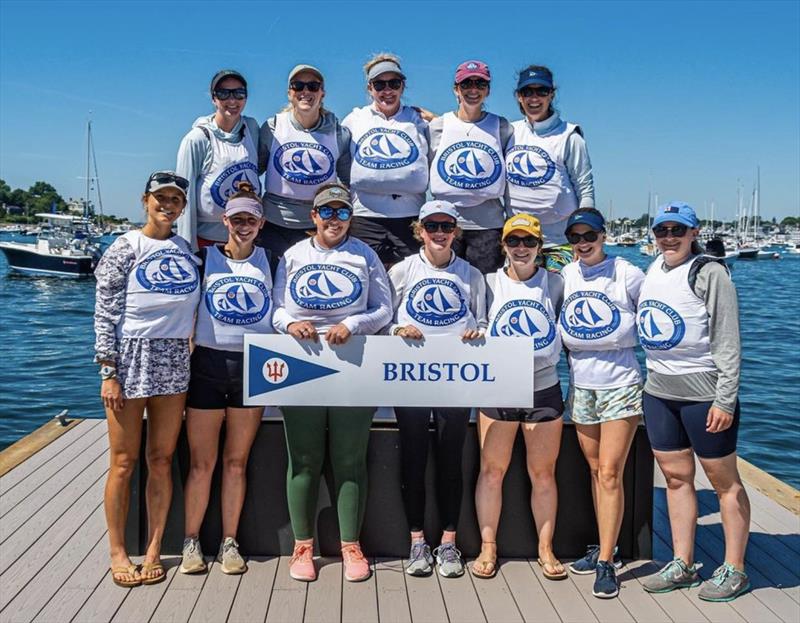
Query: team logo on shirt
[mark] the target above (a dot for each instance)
(436, 302)
(304, 163)
(238, 300)
(469, 165)
(589, 315)
(168, 271)
(660, 326)
(229, 180)
(386, 148)
(325, 286)
(525, 318)
(529, 165)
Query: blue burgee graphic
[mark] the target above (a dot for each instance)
(270, 370)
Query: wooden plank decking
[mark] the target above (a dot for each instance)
(54, 567)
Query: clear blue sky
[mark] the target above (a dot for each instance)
(684, 98)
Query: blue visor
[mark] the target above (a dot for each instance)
(590, 219)
(533, 76)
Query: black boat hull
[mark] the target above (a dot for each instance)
(40, 264)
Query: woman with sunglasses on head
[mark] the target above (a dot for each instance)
(237, 299)
(147, 293)
(548, 170)
(688, 322)
(389, 171)
(524, 301)
(468, 166)
(598, 328)
(300, 148)
(435, 293)
(218, 153)
(329, 286)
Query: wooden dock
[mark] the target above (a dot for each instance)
(54, 564)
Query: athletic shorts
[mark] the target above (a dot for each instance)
(216, 379)
(681, 424)
(595, 406)
(481, 248)
(391, 238)
(548, 405)
(555, 258)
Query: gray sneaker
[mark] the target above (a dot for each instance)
(674, 575)
(230, 560)
(192, 557)
(726, 584)
(449, 561)
(420, 560)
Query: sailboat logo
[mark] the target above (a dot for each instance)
(386, 148)
(529, 166)
(660, 326)
(589, 315)
(436, 302)
(469, 165)
(238, 300)
(524, 318)
(168, 271)
(325, 286)
(304, 162)
(228, 182)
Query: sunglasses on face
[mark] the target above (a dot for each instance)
(538, 91)
(446, 227)
(589, 236)
(515, 241)
(676, 231)
(238, 93)
(469, 83)
(326, 213)
(169, 178)
(299, 85)
(394, 84)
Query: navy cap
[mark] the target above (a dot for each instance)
(534, 76)
(591, 219)
(677, 212)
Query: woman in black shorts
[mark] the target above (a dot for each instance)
(524, 300)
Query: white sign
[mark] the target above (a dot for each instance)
(388, 371)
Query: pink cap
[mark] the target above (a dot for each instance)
(472, 69)
(244, 204)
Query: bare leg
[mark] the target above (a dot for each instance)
(678, 468)
(202, 430)
(589, 440)
(241, 429)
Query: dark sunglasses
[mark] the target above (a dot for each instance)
(164, 177)
(470, 83)
(515, 241)
(677, 231)
(444, 226)
(394, 84)
(589, 236)
(238, 93)
(538, 91)
(300, 85)
(326, 213)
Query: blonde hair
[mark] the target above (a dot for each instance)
(244, 189)
(380, 57)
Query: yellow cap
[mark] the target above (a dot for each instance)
(523, 222)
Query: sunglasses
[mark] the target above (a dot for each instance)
(299, 85)
(515, 241)
(589, 236)
(677, 231)
(238, 93)
(469, 83)
(394, 84)
(326, 213)
(446, 227)
(164, 177)
(538, 91)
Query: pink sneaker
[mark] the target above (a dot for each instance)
(301, 565)
(356, 567)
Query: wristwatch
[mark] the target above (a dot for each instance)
(108, 372)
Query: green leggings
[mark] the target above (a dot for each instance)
(347, 432)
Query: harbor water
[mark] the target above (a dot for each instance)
(46, 350)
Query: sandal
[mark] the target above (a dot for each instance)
(484, 566)
(128, 570)
(553, 570)
(147, 567)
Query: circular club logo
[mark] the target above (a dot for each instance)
(228, 181)
(304, 163)
(525, 318)
(169, 271)
(324, 286)
(529, 165)
(436, 302)
(385, 148)
(275, 370)
(469, 165)
(660, 326)
(238, 300)
(589, 315)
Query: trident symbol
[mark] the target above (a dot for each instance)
(275, 370)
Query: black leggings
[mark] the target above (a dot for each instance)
(451, 428)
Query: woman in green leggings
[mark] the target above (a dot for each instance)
(331, 286)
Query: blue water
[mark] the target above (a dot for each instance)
(46, 343)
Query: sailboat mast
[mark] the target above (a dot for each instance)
(88, 156)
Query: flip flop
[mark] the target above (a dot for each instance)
(479, 568)
(558, 573)
(147, 567)
(129, 570)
